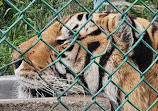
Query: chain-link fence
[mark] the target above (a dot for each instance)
(56, 17)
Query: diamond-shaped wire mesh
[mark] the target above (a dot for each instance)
(56, 17)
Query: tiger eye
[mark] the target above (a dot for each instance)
(60, 41)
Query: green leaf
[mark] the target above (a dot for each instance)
(6, 12)
(1, 3)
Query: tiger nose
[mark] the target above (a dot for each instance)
(17, 64)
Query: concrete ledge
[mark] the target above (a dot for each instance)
(9, 101)
(75, 103)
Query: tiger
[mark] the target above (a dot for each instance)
(103, 66)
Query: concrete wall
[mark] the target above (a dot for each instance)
(8, 87)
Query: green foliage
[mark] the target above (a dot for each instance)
(143, 12)
(1, 3)
(145, 1)
(1, 10)
(5, 56)
(138, 3)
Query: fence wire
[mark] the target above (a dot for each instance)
(4, 37)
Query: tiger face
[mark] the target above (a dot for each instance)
(47, 68)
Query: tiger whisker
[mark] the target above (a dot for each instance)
(48, 91)
(39, 93)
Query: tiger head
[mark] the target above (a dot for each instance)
(49, 67)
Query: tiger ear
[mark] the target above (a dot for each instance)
(125, 32)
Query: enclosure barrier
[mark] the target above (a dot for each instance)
(3, 38)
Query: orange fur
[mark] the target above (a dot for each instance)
(126, 77)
